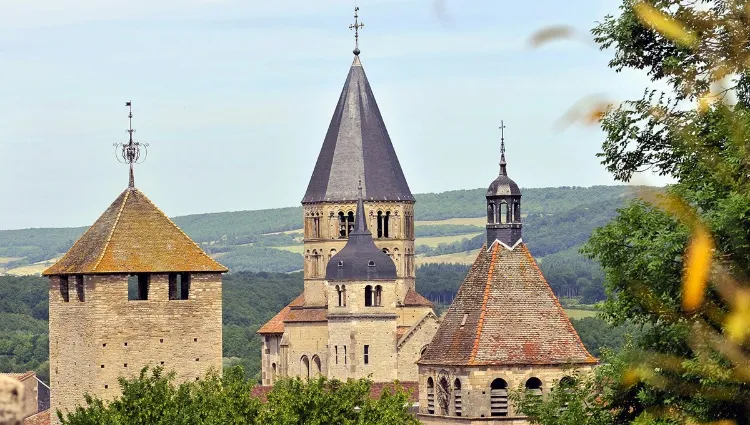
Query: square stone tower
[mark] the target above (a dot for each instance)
(133, 291)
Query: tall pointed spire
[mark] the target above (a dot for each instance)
(131, 152)
(503, 164)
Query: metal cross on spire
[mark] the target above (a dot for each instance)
(503, 170)
(356, 27)
(130, 153)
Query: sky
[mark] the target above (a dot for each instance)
(234, 97)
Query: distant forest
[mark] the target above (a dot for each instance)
(250, 299)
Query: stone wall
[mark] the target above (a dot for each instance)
(475, 389)
(410, 349)
(95, 341)
(306, 340)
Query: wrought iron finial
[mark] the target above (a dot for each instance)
(356, 27)
(130, 153)
(503, 164)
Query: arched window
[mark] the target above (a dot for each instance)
(503, 213)
(534, 386)
(378, 296)
(343, 295)
(386, 224)
(340, 294)
(316, 365)
(499, 398)
(314, 263)
(430, 396)
(368, 296)
(273, 372)
(491, 212)
(331, 254)
(444, 393)
(457, 406)
(350, 220)
(380, 224)
(342, 225)
(305, 367)
(516, 212)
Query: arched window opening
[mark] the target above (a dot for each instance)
(430, 396)
(350, 221)
(499, 398)
(273, 372)
(342, 225)
(316, 227)
(368, 296)
(305, 363)
(457, 404)
(380, 224)
(314, 263)
(316, 365)
(378, 296)
(503, 219)
(340, 295)
(331, 254)
(386, 224)
(370, 263)
(444, 393)
(491, 212)
(534, 387)
(343, 296)
(516, 212)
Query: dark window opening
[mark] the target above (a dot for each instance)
(386, 222)
(138, 287)
(350, 219)
(380, 224)
(345, 354)
(371, 264)
(342, 226)
(64, 287)
(491, 213)
(499, 398)
(368, 296)
(179, 286)
(316, 228)
(516, 212)
(534, 387)
(503, 213)
(367, 354)
(430, 396)
(378, 296)
(457, 402)
(444, 395)
(80, 288)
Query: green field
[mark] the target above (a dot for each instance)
(434, 241)
(475, 221)
(297, 249)
(579, 314)
(458, 258)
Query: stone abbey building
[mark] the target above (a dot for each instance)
(359, 314)
(505, 329)
(133, 291)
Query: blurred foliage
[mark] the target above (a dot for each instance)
(154, 398)
(676, 263)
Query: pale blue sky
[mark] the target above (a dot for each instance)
(235, 97)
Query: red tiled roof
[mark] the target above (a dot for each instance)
(134, 236)
(41, 418)
(376, 390)
(307, 314)
(20, 376)
(413, 299)
(510, 316)
(276, 324)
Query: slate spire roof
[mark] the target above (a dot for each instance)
(134, 236)
(360, 258)
(505, 314)
(357, 146)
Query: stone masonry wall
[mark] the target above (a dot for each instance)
(410, 350)
(94, 342)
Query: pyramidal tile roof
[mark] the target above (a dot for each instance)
(357, 146)
(134, 236)
(505, 313)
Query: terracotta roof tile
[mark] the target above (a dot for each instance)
(276, 324)
(20, 376)
(510, 316)
(413, 299)
(134, 236)
(41, 418)
(307, 314)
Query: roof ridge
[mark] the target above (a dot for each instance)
(487, 287)
(114, 226)
(558, 305)
(178, 228)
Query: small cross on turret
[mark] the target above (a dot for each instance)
(356, 27)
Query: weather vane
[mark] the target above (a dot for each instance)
(130, 153)
(356, 27)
